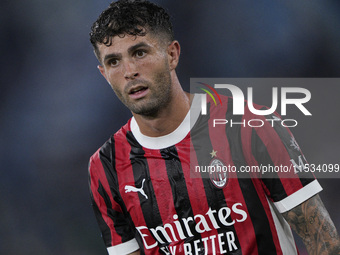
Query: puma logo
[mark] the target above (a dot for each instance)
(129, 188)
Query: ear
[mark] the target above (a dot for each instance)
(174, 51)
(101, 70)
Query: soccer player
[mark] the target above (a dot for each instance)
(145, 196)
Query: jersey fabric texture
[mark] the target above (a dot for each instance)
(146, 194)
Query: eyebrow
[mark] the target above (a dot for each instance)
(138, 45)
(130, 50)
(112, 55)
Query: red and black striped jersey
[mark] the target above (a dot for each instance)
(148, 194)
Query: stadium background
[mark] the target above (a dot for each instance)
(56, 109)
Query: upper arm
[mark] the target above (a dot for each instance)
(115, 227)
(311, 221)
(294, 192)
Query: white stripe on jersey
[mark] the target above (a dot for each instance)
(298, 197)
(284, 232)
(123, 248)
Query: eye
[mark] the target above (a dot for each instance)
(113, 62)
(140, 53)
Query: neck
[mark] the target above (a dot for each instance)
(169, 118)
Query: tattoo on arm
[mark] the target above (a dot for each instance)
(311, 221)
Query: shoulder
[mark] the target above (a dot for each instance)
(107, 149)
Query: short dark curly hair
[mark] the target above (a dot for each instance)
(130, 17)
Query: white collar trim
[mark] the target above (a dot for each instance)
(161, 142)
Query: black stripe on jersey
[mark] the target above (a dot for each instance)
(179, 190)
(140, 170)
(294, 153)
(116, 217)
(105, 230)
(261, 155)
(264, 237)
(107, 158)
(215, 197)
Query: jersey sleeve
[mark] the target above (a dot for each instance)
(274, 150)
(114, 226)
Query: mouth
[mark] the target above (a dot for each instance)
(138, 92)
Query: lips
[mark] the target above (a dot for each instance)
(138, 92)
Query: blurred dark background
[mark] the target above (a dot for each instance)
(56, 109)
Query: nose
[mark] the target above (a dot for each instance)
(130, 71)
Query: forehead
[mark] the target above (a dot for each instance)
(121, 45)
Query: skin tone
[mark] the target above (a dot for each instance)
(312, 223)
(135, 253)
(141, 71)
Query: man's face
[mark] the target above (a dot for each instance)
(137, 68)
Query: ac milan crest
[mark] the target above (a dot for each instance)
(218, 174)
